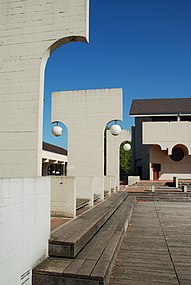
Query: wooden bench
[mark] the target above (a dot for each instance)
(93, 264)
(69, 240)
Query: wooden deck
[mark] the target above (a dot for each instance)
(157, 246)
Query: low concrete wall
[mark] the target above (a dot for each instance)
(114, 187)
(133, 179)
(24, 227)
(84, 188)
(98, 186)
(108, 184)
(63, 196)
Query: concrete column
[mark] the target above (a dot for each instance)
(185, 188)
(175, 181)
(152, 188)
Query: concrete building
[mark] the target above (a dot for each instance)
(54, 160)
(161, 138)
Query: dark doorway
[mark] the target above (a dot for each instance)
(156, 167)
(139, 171)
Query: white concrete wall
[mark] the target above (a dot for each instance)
(170, 168)
(86, 113)
(24, 227)
(167, 134)
(133, 179)
(107, 184)
(29, 32)
(84, 188)
(113, 153)
(63, 196)
(113, 183)
(98, 186)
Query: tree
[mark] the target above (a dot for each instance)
(125, 159)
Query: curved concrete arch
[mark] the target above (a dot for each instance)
(34, 31)
(66, 40)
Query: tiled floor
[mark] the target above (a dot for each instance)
(56, 222)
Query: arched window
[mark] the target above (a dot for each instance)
(177, 154)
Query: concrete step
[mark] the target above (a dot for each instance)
(93, 264)
(69, 240)
(157, 196)
(148, 183)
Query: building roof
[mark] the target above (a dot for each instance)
(161, 106)
(53, 148)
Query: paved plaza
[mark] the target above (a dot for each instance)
(157, 247)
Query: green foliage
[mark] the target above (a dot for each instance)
(125, 159)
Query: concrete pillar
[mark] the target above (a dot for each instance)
(113, 152)
(152, 188)
(175, 181)
(185, 188)
(29, 32)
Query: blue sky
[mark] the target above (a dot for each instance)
(141, 46)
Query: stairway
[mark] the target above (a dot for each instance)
(162, 196)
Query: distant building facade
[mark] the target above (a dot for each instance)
(54, 160)
(161, 138)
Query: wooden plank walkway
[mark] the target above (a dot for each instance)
(157, 246)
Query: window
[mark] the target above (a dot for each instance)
(177, 154)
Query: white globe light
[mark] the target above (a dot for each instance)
(115, 130)
(127, 146)
(57, 131)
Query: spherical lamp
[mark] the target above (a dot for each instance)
(57, 131)
(115, 130)
(127, 147)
